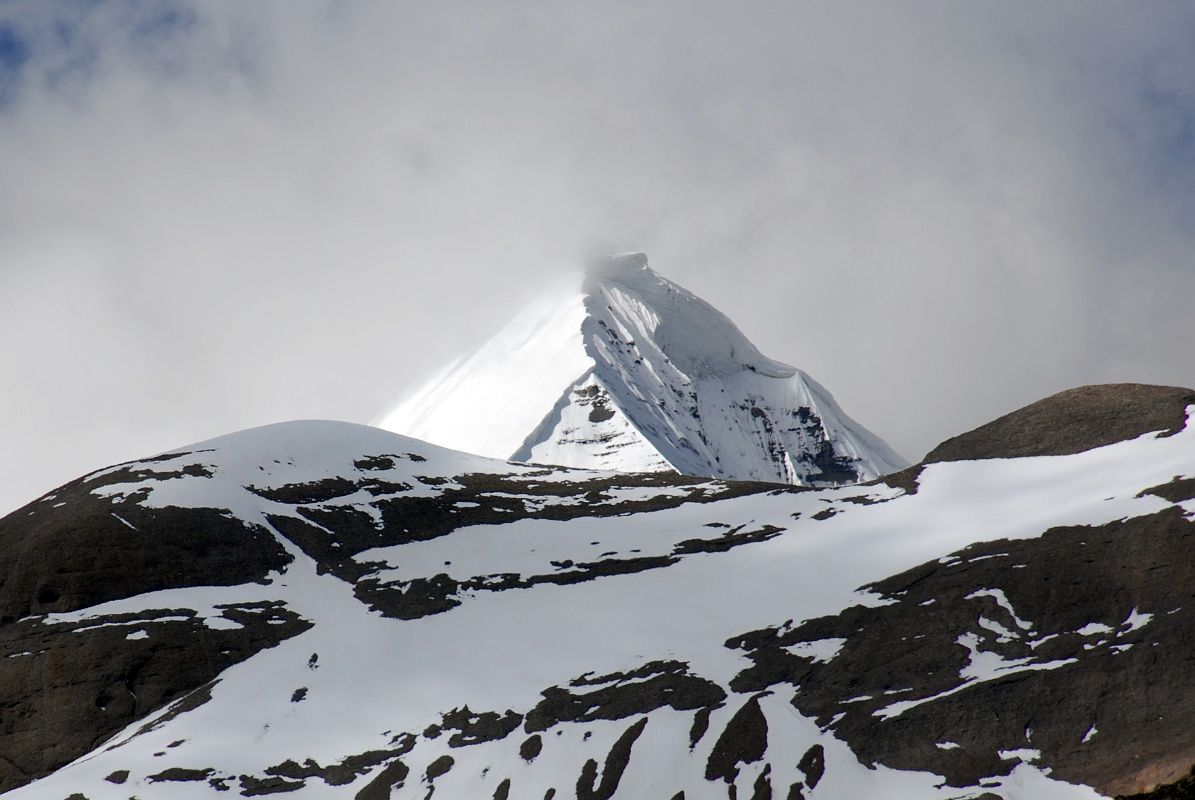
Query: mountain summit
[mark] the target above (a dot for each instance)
(621, 369)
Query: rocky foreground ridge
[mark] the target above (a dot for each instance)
(330, 610)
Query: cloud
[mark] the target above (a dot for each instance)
(219, 215)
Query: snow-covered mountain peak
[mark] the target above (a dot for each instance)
(624, 292)
(620, 368)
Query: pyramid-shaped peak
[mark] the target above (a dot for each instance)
(635, 373)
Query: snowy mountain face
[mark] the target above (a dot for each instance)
(624, 370)
(329, 610)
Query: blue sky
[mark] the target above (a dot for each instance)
(56, 45)
(14, 54)
(217, 215)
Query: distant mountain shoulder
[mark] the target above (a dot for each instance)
(1066, 423)
(1073, 421)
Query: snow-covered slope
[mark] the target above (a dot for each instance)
(330, 610)
(624, 370)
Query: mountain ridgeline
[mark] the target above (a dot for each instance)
(328, 610)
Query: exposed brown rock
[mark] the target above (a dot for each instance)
(1182, 789)
(83, 686)
(439, 767)
(394, 774)
(74, 549)
(1072, 422)
(655, 685)
(615, 764)
(469, 728)
(1058, 583)
(531, 747)
(743, 741)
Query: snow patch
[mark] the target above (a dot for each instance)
(820, 651)
(1136, 620)
(1002, 601)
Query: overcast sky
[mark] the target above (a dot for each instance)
(218, 215)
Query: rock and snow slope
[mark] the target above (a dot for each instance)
(331, 610)
(624, 370)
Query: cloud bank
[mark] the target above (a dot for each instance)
(214, 216)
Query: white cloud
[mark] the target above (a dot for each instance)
(216, 215)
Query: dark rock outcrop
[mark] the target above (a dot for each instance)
(1072, 422)
(83, 682)
(75, 548)
(1080, 623)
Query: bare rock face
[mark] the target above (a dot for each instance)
(1072, 422)
(69, 685)
(82, 549)
(1062, 622)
